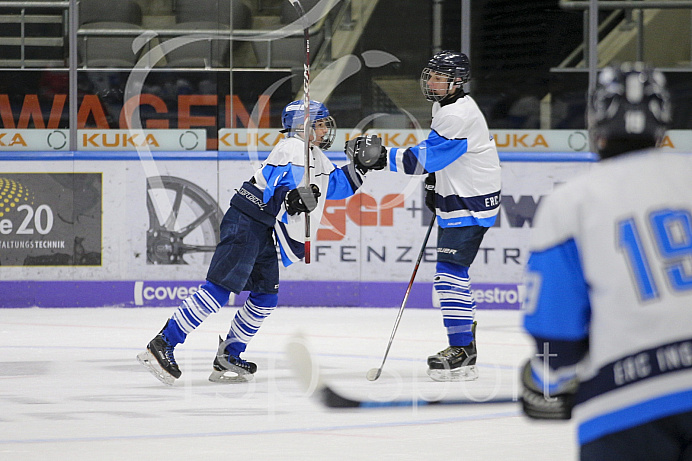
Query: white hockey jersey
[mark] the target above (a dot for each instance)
(282, 171)
(462, 154)
(610, 273)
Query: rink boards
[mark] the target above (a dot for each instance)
(95, 228)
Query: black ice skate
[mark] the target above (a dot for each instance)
(159, 360)
(229, 368)
(456, 363)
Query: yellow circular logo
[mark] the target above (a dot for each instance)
(13, 194)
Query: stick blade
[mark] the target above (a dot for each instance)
(307, 371)
(331, 399)
(373, 374)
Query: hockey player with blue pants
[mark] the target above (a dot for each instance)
(266, 209)
(609, 284)
(463, 189)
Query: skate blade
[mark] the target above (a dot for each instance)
(469, 373)
(231, 376)
(147, 359)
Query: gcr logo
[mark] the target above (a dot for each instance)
(362, 210)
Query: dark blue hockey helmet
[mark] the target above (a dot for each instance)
(293, 117)
(630, 103)
(453, 67)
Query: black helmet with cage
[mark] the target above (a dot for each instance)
(628, 110)
(453, 66)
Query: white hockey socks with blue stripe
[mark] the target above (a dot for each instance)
(248, 320)
(194, 310)
(452, 293)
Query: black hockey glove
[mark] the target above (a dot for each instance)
(537, 405)
(302, 200)
(430, 192)
(367, 153)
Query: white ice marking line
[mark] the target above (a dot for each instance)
(509, 414)
(269, 353)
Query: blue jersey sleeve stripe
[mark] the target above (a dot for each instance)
(296, 248)
(562, 309)
(342, 182)
(446, 153)
(446, 150)
(635, 415)
(392, 159)
(275, 176)
(433, 154)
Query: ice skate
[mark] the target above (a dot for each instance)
(231, 369)
(159, 360)
(456, 363)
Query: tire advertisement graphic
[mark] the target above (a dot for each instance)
(184, 227)
(50, 219)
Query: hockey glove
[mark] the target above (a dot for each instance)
(537, 404)
(430, 192)
(367, 153)
(302, 200)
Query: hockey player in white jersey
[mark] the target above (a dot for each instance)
(609, 284)
(463, 189)
(267, 207)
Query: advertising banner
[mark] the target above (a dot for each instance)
(34, 140)
(50, 219)
(160, 220)
(152, 140)
(376, 234)
(305, 293)
(263, 139)
(249, 140)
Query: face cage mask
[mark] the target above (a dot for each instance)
(429, 94)
(328, 138)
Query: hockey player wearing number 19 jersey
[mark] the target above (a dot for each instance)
(464, 191)
(609, 285)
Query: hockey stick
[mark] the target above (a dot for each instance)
(306, 122)
(308, 374)
(375, 373)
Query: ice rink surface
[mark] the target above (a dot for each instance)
(71, 389)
